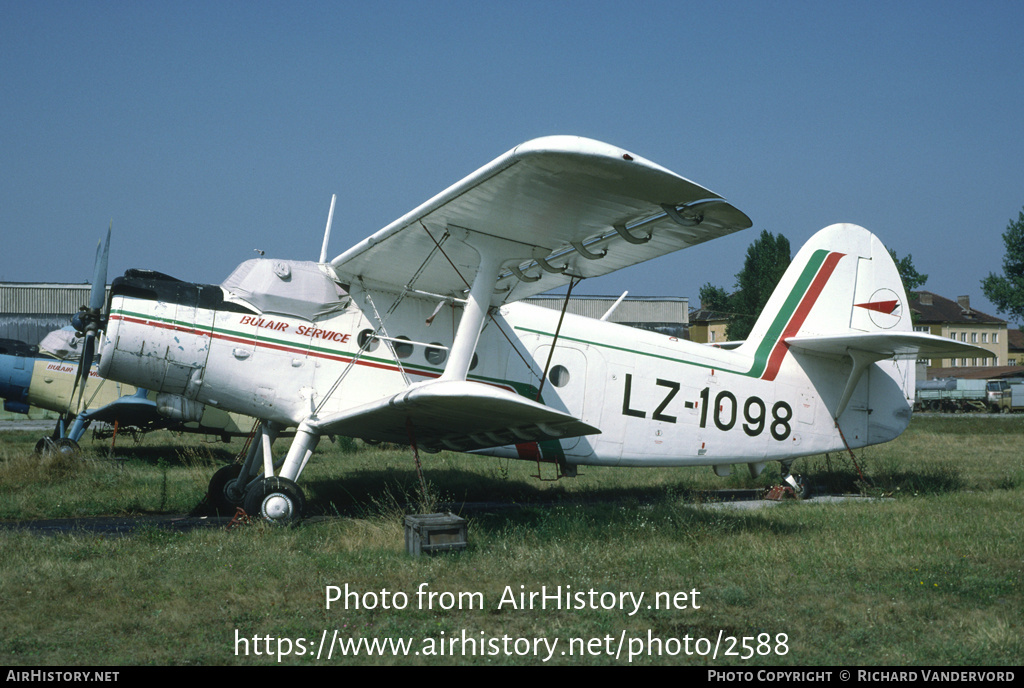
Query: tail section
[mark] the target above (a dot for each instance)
(842, 282)
(838, 326)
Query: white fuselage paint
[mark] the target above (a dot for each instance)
(658, 400)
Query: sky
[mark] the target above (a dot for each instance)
(206, 130)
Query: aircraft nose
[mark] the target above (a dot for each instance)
(15, 377)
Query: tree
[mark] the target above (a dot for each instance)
(714, 298)
(1006, 291)
(766, 261)
(912, 279)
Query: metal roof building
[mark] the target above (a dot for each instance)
(30, 310)
(666, 314)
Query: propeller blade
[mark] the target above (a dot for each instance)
(89, 320)
(99, 274)
(84, 366)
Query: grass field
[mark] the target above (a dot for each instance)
(929, 572)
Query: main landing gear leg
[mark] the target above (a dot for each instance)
(61, 442)
(797, 482)
(229, 484)
(278, 499)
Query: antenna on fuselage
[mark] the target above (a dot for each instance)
(327, 232)
(608, 313)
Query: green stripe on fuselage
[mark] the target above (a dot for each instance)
(778, 326)
(523, 389)
(764, 349)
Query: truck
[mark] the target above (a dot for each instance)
(1017, 396)
(952, 395)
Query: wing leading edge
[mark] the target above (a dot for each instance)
(558, 208)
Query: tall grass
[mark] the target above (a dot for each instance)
(931, 573)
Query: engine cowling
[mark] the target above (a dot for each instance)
(158, 332)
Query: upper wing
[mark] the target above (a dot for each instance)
(560, 207)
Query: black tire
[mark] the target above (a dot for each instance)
(48, 446)
(216, 495)
(276, 500)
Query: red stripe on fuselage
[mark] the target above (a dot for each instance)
(797, 321)
(258, 343)
(264, 344)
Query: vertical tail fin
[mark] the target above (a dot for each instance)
(842, 311)
(842, 282)
(838, 327)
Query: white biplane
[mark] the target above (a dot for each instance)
(417, 335)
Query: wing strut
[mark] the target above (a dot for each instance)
(861, 360)
(551, 351)
(473, 314)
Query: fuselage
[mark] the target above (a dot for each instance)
(657, 400)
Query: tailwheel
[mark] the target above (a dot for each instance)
(224, 493)
(801, 488)
(276, 500)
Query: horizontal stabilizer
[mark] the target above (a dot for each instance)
(457, 415)
(888, 345)
(865, 348)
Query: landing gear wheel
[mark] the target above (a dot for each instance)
(224, 494)
(48, 446)
(68, 447)
(276, 500)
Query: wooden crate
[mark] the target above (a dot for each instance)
(429, 533)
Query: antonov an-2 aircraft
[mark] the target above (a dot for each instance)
(417, 335)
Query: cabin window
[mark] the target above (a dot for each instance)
(367, 342)
(559, 376)
(402, 350)
(435, 354)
